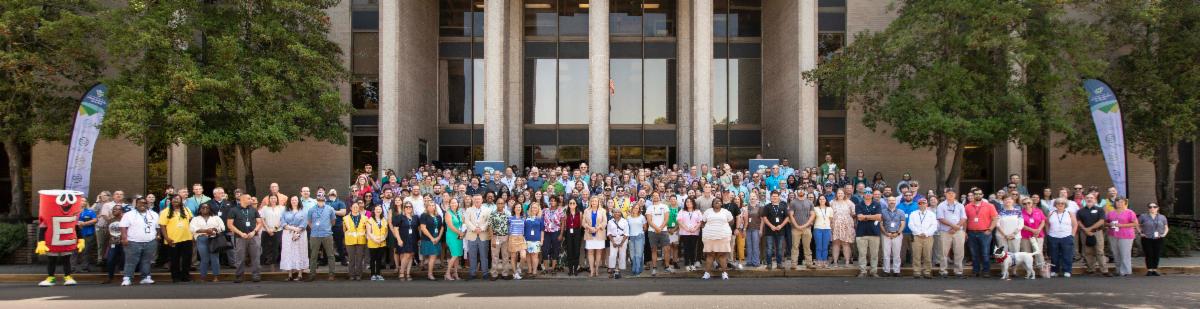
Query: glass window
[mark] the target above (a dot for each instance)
(631, 155)
(745, 86)
(573, 18)
(456, 84)
(454, 154)
(828, 44)
(659, 18)
(720, 155)
(745, 18)
(542, 91)
(545, 154)
(157, 169)
(572, 155)
(720, 19)
(541, 17)
(720, 92)
(365, 57)
(364, 94)
(625, 104)
(655, 156)
(659, 91)
(625, 18)
(834, 147)
(455, 17)
(573, 91)
(739, 157)
(366, 150)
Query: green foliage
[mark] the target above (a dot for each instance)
(1179, 242)
(12, 236)
(246, 74)
(951, 73)
(47, 59)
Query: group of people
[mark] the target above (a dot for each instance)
(500, 224)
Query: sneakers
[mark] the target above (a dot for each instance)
(670, 269)
(1066, 275)
(724, 276)
(774, 266)
(516, 276)
(146, 280)
(706, 276)
(739, 266)
(48, 282)
(125, 281)
(68, 281)
(653, 272)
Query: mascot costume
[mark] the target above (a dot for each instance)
(58, 215)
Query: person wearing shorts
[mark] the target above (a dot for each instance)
(656, 234)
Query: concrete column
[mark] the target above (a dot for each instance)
(683, 81)
(514, 120)
(702, 57)
(807, 14)
(493, 45)
(389, 86)
(1015, 161)
(598, 85)
(177, 159)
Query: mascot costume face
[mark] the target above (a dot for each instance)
(58, 215)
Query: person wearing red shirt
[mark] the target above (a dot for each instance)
(981, 220)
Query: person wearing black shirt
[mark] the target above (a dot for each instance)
(245, 223)
(1091, 235)
(735, 210)
(775, 222)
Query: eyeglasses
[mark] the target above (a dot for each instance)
(1153, 206)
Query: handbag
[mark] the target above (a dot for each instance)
(219, 244)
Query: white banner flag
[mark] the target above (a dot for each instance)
(1106, 114)
(83, 138)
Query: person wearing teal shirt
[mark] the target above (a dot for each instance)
(193, 203)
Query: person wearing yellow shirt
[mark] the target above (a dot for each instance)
(377, 235)
(355, 227)
(176, 225)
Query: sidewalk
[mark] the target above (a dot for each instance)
(37, 272)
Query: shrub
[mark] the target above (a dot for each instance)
(12, 236)
(1179, 242)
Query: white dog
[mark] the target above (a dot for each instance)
(1025, 259)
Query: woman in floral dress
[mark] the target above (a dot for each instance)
(843, 226)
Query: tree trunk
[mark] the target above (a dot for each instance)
(956, 166)
(16, 207)
(226, 166)
(1166, 158)
(248, 164)
(940, 166)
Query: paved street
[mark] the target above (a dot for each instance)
(1161, 292)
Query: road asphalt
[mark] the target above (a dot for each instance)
(1090, 292)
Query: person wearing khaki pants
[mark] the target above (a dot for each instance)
(802, 216)
(924, 225)
(951, 217)
(1091, 224)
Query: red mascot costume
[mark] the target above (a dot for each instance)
(58, 215)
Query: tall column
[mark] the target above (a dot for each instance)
(598, 82)
(389, 85)
(702, 51)
(808, 91)
(514, 86)
(177, 170)
(683, 81)
(493, 58)
(1015, 161)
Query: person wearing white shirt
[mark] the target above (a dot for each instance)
(139, 234)
(951, 217)
(618, 230)
(656, 231)
(924, 224)
(1060, 243)
(205, 226)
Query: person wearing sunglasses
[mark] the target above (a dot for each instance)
(1153, 230)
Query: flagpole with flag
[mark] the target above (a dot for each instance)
(83, 138)
(1106, 115)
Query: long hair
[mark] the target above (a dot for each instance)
(171, 208)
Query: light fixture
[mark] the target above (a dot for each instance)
(479, 5)
(650, 6)
(537, 6)
(584, 5)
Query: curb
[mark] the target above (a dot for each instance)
(828, 273)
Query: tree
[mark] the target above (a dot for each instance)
(234, 75)
(949, 74)
(47, 60)
(1155, 73)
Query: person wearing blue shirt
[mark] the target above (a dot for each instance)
(907, 204)
(534, 226)
(339, 211)
(87, 229)
(867, 213)
(320, 220)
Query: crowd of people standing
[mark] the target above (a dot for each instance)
(519, 223)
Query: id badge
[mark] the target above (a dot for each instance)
(893, 225)
(410, 231)
(976, 219)
(147, 229)
(1155, 234)
(179, 224)
(571, 231)
(776, 220)
(1030, 220)
(1093, 211)
(531, 233)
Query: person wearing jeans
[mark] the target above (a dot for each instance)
(981, 220)
(637, 239)
(1060, 242)
(140, 236)
(774, 222)
(206, 226)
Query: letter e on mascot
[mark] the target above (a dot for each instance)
(58, 214)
